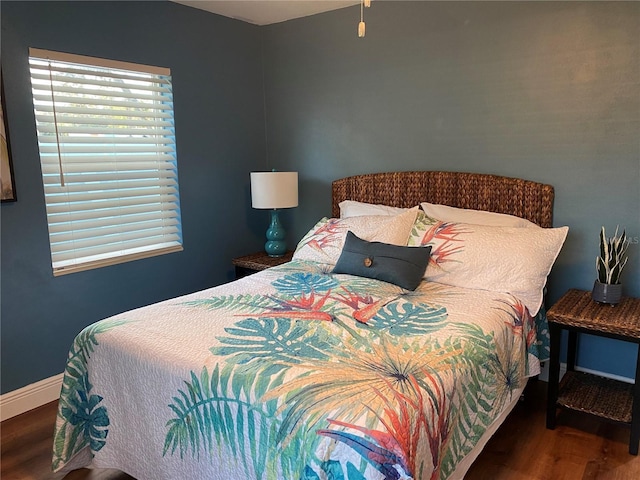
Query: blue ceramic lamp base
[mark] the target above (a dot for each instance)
(276, 245)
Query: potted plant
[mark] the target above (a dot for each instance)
(609, 265)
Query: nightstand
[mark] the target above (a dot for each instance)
(255, 262)
(611, 399)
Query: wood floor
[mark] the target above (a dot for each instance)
(580, 448)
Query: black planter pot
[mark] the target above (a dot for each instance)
(606, 293)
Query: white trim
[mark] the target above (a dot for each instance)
(32, 396)
(563, 369)
(544, 373)
(81, 267)
(99, 62)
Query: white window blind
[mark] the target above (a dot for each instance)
(108, 155)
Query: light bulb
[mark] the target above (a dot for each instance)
(367, 3)
(361, 29)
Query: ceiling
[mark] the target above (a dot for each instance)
(265, 12)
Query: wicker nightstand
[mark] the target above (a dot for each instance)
(255, 262)
(584, 392)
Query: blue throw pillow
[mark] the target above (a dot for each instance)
(402, 266)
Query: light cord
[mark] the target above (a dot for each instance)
(55, 124)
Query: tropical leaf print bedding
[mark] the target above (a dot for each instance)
(295, 373)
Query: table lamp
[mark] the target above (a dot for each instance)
(274, 190)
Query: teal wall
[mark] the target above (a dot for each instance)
(219, 119)
(547, 91)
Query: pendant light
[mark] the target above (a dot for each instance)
(361, 26)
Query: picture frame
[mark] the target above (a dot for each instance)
(7, 180)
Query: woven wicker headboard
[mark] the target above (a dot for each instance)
(493, 193)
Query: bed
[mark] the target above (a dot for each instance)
(299, 372)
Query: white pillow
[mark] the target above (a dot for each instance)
(351, 208)
(324, 242)
(502, 259)
(475, 217)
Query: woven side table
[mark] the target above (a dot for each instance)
(577, 313)
(255, 262)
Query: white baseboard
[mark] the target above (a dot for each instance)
(30, 397)
(544, 373)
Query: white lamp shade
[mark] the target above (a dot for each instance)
(274, 189)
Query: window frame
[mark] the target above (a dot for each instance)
(130, 158)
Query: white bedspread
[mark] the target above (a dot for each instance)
(295, 373)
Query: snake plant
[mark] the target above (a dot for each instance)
(612, 257)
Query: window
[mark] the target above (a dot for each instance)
(108, 155)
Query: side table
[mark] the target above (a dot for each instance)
(255, 262)
(577, 313)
